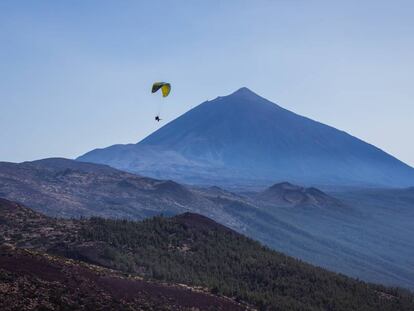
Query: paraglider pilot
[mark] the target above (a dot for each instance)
(165, 90)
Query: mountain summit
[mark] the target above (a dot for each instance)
(244, 139)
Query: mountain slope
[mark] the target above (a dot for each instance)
(245, 139)
(189, 249)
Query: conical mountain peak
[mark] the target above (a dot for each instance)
(243, 137)
(242, 100)
(245, 93)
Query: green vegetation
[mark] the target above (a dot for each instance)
(193, 250)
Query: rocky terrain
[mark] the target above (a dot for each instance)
(36, 281)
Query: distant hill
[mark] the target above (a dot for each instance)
(68, 188)
(244, 139)
(287, 194)
(190, 249)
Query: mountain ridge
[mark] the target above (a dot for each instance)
(69, 188)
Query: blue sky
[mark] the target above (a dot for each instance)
(75, 75)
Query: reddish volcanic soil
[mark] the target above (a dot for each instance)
(104, 286)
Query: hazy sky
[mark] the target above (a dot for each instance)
(76, 75)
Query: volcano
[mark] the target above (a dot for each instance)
(244, 139)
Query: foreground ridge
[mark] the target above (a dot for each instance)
(193, 250)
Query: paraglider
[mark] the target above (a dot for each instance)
(165, 90)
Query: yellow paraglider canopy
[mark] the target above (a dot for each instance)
(165, 88)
